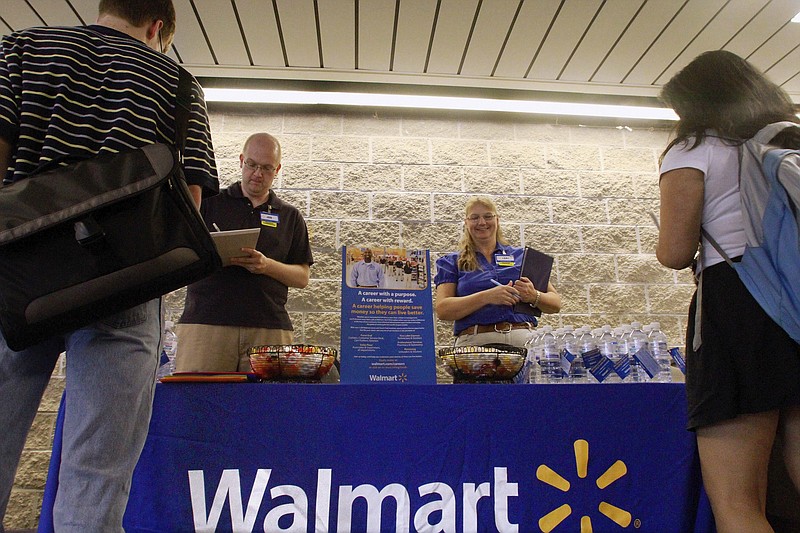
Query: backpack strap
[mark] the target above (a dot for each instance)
(765, 134)
(716, 246)
(183, 105)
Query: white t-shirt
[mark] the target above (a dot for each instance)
(722, 216)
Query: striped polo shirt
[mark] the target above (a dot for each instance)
(73, 92)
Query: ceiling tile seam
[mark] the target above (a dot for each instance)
(768, 39)
(654, 41)
(469, 36)
(433, 33)
(319, 34)
(242, 33)
(617, 40)
(544, 38)
(204, 32)
(280, 32)
(508, 36)
(75, 11)
(355, 34)
(583, 36)
(394, 34)
(693, 39)
(38, 16)
(745, 25)
(790, 79)
(10, 29)
(781, 59)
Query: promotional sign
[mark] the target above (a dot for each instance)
(387, 316)
(424, 458)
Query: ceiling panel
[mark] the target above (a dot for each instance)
(414, 26)
(529, 31)
(87, 10)
(491, 28)
(600, 38)
(681, 31)
(777, 47)
(298, 25)
(719, 31)
(190, 43)
(570, 25)
(375, 34)
(615, 48)
(337, 23)
(55, 12)
(633, 44)
(18, 14)
(260, 29)
(220, 21)
(453, 27)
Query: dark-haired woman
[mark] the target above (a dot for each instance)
(743, 370)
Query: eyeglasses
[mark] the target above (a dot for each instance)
(488, 217)
(265, 169)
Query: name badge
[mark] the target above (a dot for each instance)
(504, 260)
(269, 219)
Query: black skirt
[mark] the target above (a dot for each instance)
(746, 362)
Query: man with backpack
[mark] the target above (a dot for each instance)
(79, 92)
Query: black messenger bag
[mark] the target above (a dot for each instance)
(81, 242)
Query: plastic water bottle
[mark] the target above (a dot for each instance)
(587, 343)
(608, 347)
(585, 339)
(638, 340)
(550, 360)
(659, 348)
(169, 347)
(533, 345)
(623, 351)
(577, 372)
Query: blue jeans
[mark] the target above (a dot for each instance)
(110, 381)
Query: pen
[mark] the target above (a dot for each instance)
(501, 285)
(215, 226)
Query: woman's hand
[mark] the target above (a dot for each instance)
(502, 295)
(525, 289)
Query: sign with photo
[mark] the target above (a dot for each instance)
(387, 316)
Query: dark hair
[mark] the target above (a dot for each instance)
(720, 91)
(141, 12)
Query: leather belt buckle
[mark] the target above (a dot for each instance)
(507, 327)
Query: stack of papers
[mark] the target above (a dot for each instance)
(216, 377)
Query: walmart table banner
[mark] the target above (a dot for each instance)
(387, 316)
(421, 458)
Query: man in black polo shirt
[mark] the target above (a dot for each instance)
(243, 305)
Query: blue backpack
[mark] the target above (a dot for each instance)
(769, 185)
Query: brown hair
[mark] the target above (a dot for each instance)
(141, 12)
(722, 92)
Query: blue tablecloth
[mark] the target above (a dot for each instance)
(269, 457)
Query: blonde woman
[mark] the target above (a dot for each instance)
(477, 286)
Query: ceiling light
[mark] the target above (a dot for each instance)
(437, 102)
(796, 18)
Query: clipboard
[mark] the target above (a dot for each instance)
(230, 243)
(536, 266)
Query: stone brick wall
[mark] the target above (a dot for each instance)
(582, 194)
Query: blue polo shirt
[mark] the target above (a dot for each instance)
(500, 268)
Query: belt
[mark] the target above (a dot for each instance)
(500, 327)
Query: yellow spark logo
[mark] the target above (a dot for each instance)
(547, 475)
